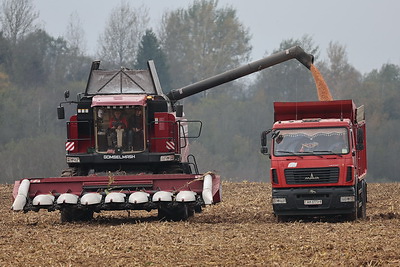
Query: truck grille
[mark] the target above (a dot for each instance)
(312, 175)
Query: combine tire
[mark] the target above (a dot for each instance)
(69, 172)
(73, 214)
(177, 213)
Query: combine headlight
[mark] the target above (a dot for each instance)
(279, 200)
(347, 199)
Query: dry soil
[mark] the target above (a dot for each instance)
(240, 231)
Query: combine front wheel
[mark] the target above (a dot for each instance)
(70, 214)
(181, 212)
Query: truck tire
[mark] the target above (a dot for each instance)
(352, 216)
(362, 211)
(282, 218)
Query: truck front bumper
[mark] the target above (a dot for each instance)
(314, 201)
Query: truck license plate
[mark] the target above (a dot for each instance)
(313, 202)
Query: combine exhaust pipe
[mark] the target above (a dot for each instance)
(295, 52)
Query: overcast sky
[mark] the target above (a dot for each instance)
(368, 28)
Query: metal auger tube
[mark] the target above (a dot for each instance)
(294, 52)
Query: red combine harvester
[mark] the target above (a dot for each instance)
(318, 159)
(127, 147)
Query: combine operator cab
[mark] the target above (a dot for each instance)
(119, 130)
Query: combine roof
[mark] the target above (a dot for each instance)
(124, 81)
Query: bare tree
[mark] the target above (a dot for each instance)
(341, 74)
(203, 40)
(17, 19)
(126, 25)
(75, 35)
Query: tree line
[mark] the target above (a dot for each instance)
(191, 44)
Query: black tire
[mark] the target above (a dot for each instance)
(181, 212)
(198, 209)
(282, 218)
(67, 215)
(70, 214)
(162, 214)
(69, 172)
(362, 211)
(352, 216)
(74, 171)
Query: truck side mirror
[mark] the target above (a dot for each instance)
(60, 113)
(264, 148)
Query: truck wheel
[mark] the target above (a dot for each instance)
(362, 211)
(352, 216)
(357, 209)
(282, 218)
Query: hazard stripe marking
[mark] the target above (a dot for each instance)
(170, 145)
(69, 146)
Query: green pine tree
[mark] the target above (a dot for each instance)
(150, 49)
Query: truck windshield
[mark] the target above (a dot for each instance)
(311, 141)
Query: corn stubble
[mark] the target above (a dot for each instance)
(240, 231)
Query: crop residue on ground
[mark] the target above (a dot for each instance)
(240, 231)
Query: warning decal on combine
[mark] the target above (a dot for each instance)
(170, 145)
(69, 146)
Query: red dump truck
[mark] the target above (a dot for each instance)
(318, 159)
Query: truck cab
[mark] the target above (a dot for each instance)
(318, 159)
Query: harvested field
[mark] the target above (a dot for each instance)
(241, 231)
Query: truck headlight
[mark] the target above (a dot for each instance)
(279, 200)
